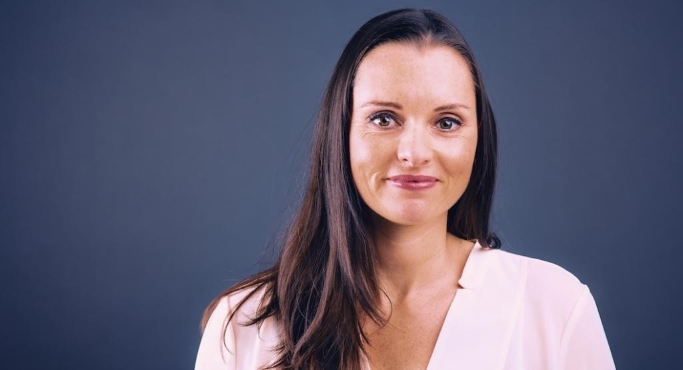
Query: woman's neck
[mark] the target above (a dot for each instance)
(414, 257)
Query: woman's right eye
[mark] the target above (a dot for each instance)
(382, 119)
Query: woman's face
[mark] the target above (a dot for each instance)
(413, 131)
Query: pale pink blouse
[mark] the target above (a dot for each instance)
(513, 312)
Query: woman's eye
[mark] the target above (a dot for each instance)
(382, 119)
(447, 124)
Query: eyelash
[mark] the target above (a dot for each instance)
(372, 118)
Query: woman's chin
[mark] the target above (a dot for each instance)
(411, 216)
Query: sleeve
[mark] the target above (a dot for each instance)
(584, 344)
(216, 351)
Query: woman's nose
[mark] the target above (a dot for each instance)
(414, 147)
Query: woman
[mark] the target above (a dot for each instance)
(389, 262)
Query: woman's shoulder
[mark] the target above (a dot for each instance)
(540, 271)
(534, 268)
(547, 284)
(557, 309)
(231, 338)
(244, 303)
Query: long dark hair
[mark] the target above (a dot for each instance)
(323, 284)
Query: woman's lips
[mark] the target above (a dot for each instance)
(413, 182)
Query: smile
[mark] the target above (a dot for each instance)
(413, 182)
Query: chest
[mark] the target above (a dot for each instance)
(409, 337)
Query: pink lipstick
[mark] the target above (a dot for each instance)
(413, 182)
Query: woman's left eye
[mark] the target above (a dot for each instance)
(447, 124)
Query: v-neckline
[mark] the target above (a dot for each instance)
(470, 278)
(471, 275)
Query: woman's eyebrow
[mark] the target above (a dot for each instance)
(389, 104)
(382, 104)
(451, 107)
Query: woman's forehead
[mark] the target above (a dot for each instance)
(408, 71)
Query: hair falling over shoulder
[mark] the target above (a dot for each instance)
(323, 286)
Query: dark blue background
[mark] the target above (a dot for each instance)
(151, 151)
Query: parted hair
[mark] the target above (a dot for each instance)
(323, 285)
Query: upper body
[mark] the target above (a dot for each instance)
(512, 312)
(380, 268)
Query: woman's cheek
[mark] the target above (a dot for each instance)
(370, 161)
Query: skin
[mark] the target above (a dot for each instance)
(414, 112)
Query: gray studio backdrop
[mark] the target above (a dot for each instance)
(151, 151)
